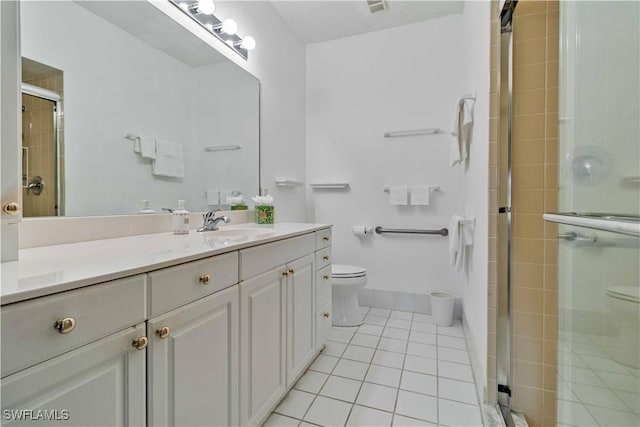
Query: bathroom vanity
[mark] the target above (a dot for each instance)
(203, 329)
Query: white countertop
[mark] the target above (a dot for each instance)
(51, 269)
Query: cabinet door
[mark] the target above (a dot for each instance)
(99, 384)
(262, 346)
(193, 364)
(300, 316)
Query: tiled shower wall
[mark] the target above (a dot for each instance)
(38, 132)
(535, 191)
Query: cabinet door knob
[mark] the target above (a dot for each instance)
(205, 279)
(163, 332)
(326, 239)
(325, 277)
(285, 273)
(66, 325)
(11, 208)
(140, 343)
(290, 271)
(326, 257)
(325, 315)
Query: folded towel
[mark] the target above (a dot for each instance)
(455, 243)
(460, 236)
(398, 195)
(147, 147)
(461, 132)
(420, 195)
(169, 159)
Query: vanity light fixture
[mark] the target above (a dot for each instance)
(247, 43)
(228, 26)
(225, 30)
(205, 6)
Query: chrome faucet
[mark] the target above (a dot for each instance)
(211, 222)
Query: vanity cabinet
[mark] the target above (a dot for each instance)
(192, 366)
(98, 384)
(277, 322)
(262, 344)
(215, 341)
(74, 351)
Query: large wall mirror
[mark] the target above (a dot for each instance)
(123, 105)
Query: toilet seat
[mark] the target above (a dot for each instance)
(625, 293)
(341, 271)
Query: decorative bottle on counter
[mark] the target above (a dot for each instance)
(181, 219)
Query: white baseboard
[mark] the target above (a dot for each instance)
(402, 301)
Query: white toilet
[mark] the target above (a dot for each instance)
(624, 316)
(347, 280)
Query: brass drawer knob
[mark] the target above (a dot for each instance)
(285, 273)
(290, 271)
(205, 279)
(11, 208)
(326, 257)
(140, 343)
(66, 325)
(163, 332)
(325, 315)
(325, 277)
(326, 239)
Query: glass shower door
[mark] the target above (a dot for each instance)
(599, 183)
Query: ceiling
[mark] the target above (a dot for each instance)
(317, 21)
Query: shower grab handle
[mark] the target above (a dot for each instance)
(25, 165)
(572, 236)
(442, 232)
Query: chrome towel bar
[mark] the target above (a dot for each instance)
(442, 232)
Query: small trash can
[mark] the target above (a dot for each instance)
(442, 308)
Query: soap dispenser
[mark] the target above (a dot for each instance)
(180, 219)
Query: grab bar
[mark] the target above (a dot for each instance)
(442, 232)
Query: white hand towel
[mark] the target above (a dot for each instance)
(455, 243)
(420, 195)
(398, 195)
(461, 132)
(169, 159)
(147, 147)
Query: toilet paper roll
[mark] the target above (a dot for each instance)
(361, 230)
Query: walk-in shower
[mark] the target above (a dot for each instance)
(568, 232)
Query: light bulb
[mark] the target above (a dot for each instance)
(184, 6)
(248, 43)
(209, 26)
(229, 26)
(206, 6)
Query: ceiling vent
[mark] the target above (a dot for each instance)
(376, 5)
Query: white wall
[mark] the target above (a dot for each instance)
(476, 18)
(279, 62)
(358, 88)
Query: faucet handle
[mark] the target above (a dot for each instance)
(209, 215)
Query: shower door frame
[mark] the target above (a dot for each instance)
(56, 98)
(504, 243)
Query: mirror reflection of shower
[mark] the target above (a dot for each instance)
(42, 135)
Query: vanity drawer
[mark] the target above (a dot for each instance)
(323, 258)
(323, 238)
(323, 325)
(323, 286)
(30, 337)
(260, 259)
(176, 286)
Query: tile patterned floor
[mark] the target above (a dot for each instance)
(397, 369)
(593, 389)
